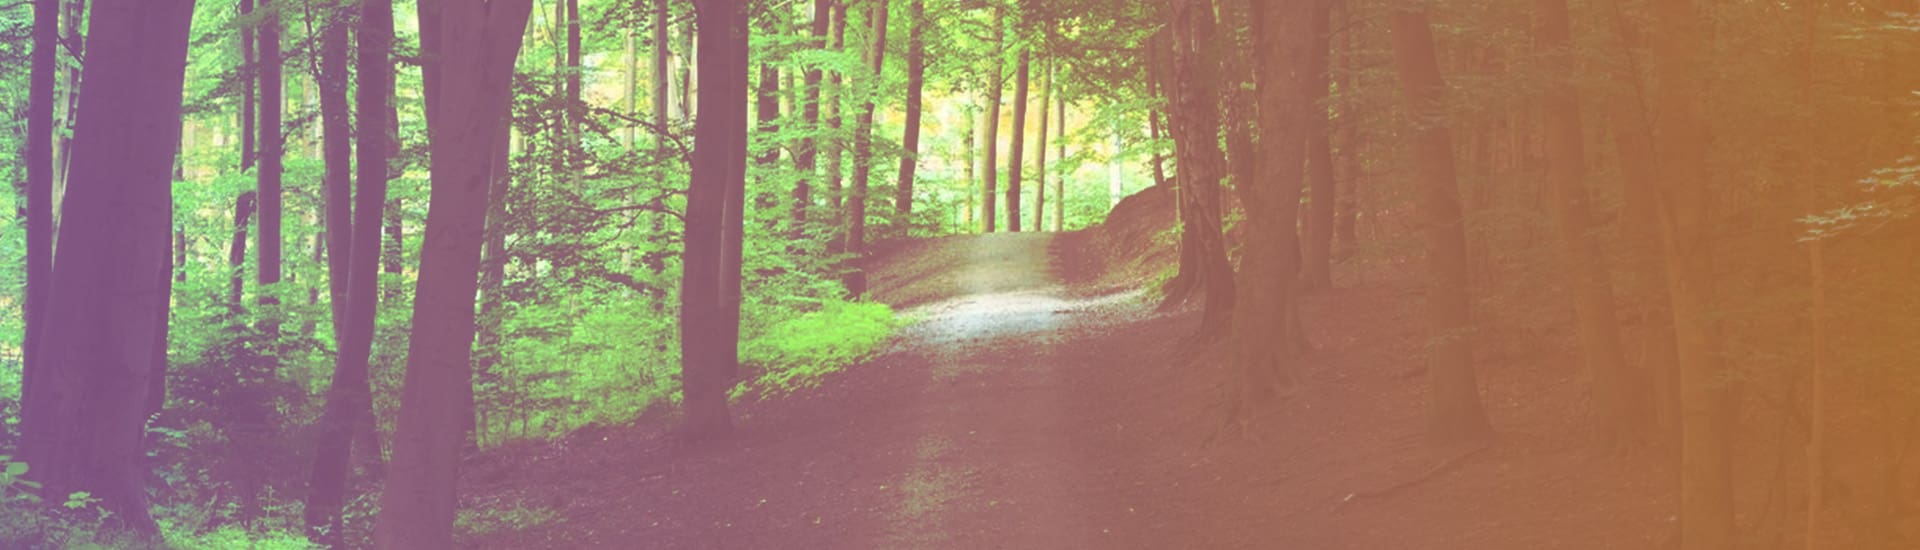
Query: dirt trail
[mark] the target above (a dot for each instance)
(996, 463)
(1020, 411)
(974, 428)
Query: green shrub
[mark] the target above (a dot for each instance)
(798, 352)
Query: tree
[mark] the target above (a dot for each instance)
(1060, 183)
(707, 368)
(1195, 121)
(249, 108)
(39, 161)
(1619, 414)
(475, 51)
(835, 146)
(1707, 409)
(1457, 414)
(1017, 153)
(83, 424)
(337, 146)
(990, 143)
(1317, 256)
(1272, 199)
(856, 279)
(272, 153)
(350, 395)
(807, 158)
(910, 141)
(1040, 153)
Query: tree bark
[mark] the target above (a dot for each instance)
(836, 147)
(272, 146)
(350, 396)
(910, 141)
(1016, 154)
(476, 50)
(719, 171)
(83, 424)
(1040, 152)
(856, 278)
(337, 151)
(1060, 183)
(1196, 126)
(250, 78)
(807, 159)
(572, 110)
(1271, 256)
(1619, 414)
(1317, 271)
(39, 161)
(990, 144)
(1457, 414)
(1707, 411)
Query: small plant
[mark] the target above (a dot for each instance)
(13, 484)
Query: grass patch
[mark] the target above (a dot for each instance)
(799, 352)
(513, 516)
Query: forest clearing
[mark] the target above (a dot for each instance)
(1294, 274)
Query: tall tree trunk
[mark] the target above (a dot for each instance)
(1040, 151)
(477, 46)
(835, 146)
(572, 110)
(766, 107)
(1196, 123)
(687, 59)
(350, 397)
(1455, 399)
(243, 207)
(1347, 208)
(662, 83)
(250, 78)
(73, 18)
(973, 162)
(1017, 153)
(1707, 410)
(272, 145)
(337, 149)
(39, 161)
(910, 142)
(1633, 141)
(631, 81)
(719, 171)
(1618, 411)
(990, 144)
(808, 157)
(249, 428)
(1317, 271)
(856, 278)
(82, 425)
(1271, 199)
(1060, 183)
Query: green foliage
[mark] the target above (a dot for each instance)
(510, 516)
(798, 352)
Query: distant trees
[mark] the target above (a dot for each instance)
(1016, 155)
(916, 92)
(83, 423)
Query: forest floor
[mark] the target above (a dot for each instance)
(1038, 401)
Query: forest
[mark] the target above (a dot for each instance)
(959, 274)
